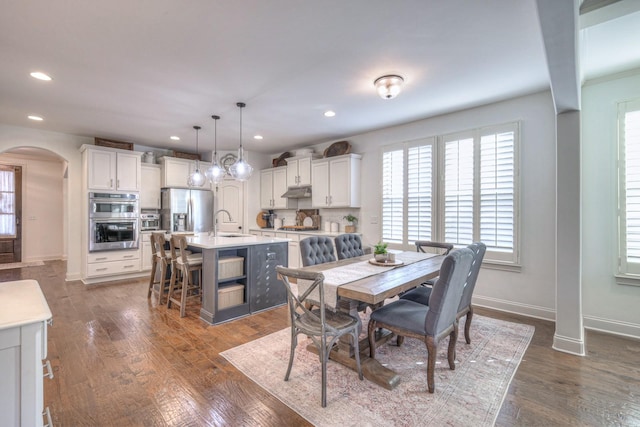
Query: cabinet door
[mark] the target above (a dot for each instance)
(266, 189)
(304, 171)
(150, 187)
(292, 173)
(339, 183)
(176, 172)
(320, 179)
(230, 196)
(101, 170)
(279, 188)
(145, 253)
(128, 172)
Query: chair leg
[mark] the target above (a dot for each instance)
(400, 340)
(467, 325)
(451, 352)
(323, 358)
(432, 351)
(172, 283)
(356, 349)
(154, 265)
(163, 280)
(185, 288)
(294, 343)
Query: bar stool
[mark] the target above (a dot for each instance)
(163, 259)
(187, 263)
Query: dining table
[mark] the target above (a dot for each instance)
(354, 284)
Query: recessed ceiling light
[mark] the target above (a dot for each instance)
(36, 118)
(174, 138)
(257, 136)
(329, 113)
(40, 76)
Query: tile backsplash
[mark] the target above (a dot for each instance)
(331, 215)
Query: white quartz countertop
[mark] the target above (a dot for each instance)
(305, 232)
(21, 303)
(205, 241)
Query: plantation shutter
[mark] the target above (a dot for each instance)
(7, 202)
(392, 196)
(630, 188)
(497, 190)
(458, 190)
(420, 192)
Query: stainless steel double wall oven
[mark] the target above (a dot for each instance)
(113, 221)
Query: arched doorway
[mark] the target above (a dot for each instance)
(38, 214)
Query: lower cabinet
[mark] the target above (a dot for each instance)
(23, 353)
(113, 263)
(145, 251)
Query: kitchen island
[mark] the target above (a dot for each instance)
(238, 274)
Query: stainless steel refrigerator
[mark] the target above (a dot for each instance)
(186, 210)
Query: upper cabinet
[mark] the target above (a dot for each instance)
(336, 182)
(273, 184)
(176, 171)
(150, 187)
(299, 171)
(112, 169)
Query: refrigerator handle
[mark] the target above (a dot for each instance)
(190, 215)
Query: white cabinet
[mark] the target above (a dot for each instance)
(109, 169)
(150, 187)
(23, 347)
(295, 260)
(273, 184)
(145, 251)
(336, 182)
(175, 172)
(299, 171)
(113, 263)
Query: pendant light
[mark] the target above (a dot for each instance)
(197, 178)
(241, 170)
(214, 173)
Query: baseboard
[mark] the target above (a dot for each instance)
(568, 345)
(70, 277)
(615, 327)
(43, 258)
(516, 308)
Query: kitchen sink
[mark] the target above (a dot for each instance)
(234, 235)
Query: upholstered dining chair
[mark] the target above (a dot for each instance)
(434, 247)
(422, 294)
(324, 327)
(316, 250)
(348, 245)
(430, 323)
(159, 258)
(188, 264)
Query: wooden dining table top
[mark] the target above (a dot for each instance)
(390, 282)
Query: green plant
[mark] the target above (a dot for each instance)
(380, 248)
(350, 219)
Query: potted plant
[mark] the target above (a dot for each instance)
(380, 251)
(351, 228)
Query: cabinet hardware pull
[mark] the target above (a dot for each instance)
(111, 183)
(48, 370)
(128, 256)
(101, 269)
(101, 258)
(129, 266)
(118, 183)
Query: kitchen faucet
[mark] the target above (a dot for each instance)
(215, 220)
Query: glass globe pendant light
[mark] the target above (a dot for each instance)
(241, 170)
(214, 173)
(197, 178)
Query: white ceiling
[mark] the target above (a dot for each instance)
(141, 71)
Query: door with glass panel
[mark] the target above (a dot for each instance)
(10, 213)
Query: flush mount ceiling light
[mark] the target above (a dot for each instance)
(197, 178)
(40, 76)
(329, 113)
(36, 118)
(388, 87)
(214, 173)
(258, 137)
(174, 138)
(241, 170)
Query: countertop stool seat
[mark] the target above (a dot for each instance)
(187, 264)
(159, 280)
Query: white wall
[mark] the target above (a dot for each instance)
(42, 206)
(606, 304)
(67, 147)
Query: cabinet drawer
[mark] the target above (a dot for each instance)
(97, 257)
(113, 267)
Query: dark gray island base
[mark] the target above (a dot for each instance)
(239, 277)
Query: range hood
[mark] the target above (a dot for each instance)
(298, 193)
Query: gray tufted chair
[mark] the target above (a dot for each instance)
(316, 250)
(348, 246)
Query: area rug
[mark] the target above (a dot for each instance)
(11, 265)
(470, 395)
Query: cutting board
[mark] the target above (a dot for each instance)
(262, 223)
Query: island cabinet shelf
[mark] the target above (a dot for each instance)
(238, 281)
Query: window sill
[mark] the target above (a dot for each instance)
(497, 265)
(627, 280)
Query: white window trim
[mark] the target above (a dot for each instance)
(512, 262)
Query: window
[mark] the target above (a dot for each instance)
(456, 188)
(629, 189)
(7, 202)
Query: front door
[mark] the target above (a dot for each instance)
(10, 213)
(230, 196)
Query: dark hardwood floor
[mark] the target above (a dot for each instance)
(120, 360)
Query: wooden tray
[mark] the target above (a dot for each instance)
(386, 264)
(337, 149)
(262, 223)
